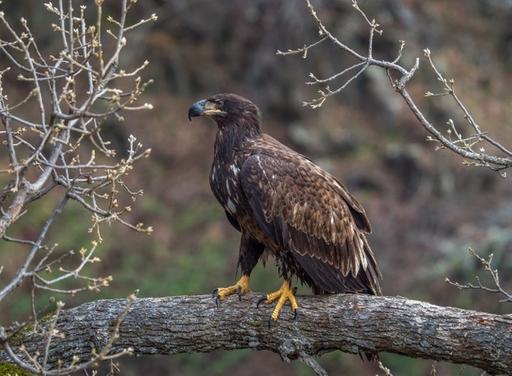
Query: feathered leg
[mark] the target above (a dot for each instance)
(250, 252)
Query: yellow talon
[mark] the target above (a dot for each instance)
(241, 288)
(282, 295)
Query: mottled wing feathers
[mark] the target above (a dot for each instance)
(305, 210)
(233, 221)
(357, 211)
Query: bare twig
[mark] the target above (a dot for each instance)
(312, 363)
(498, 158)
(493, 273)
(51, 152)
(384, 369)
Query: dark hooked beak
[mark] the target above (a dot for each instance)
(196, 109)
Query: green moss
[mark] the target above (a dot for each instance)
(8, 369)
(17, 339)
(255, 323)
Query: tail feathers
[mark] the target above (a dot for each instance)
(372, 272)
(326, 279)
(335, 274)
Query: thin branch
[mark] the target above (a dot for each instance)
(46, 153)
(23, 271)
(303, 51)
(493, 273)
(497, 162)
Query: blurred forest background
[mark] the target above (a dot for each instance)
(425, 206)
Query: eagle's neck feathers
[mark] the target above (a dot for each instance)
(233, 134)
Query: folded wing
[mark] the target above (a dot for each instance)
(308, 212)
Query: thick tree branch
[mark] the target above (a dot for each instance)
(350, 323)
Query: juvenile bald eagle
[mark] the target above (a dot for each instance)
(284, 203)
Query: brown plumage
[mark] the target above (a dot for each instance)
(284, 203)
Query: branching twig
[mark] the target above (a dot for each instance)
(493, 272)
(464, 143)
(53, 152)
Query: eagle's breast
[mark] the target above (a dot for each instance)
(225, 184)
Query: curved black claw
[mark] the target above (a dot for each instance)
(239, 293)
(269, 322)
(295, 314)
(260, 300)
(215, 296)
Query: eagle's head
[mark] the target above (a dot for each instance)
(226, 110)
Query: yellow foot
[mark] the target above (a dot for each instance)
(240, 288)
(282, 295)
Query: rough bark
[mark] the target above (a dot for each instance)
(350, 323)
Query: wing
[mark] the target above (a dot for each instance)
(307, 211)
(233, 221)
